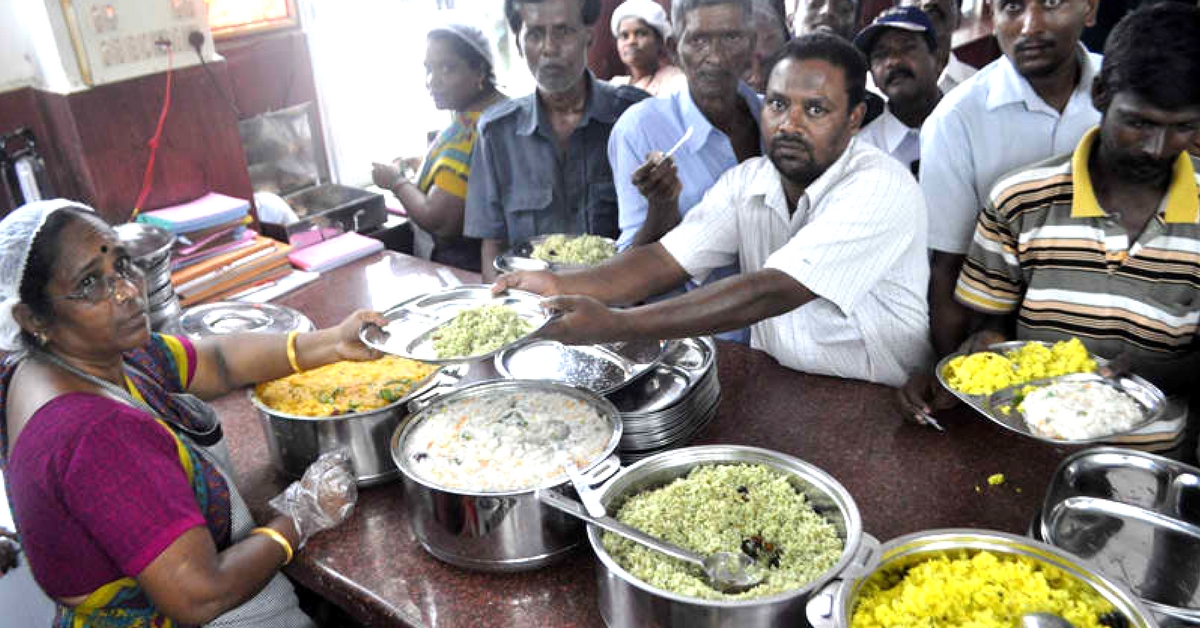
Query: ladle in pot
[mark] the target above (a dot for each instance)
(728, 572)
(1044, 620)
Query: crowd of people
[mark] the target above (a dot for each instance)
(858, 204)
(855, 204)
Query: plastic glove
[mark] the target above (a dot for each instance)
(323, 498)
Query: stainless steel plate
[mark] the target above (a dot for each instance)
(601, 369)
(228, 317)
(1147, 395)
(683, 366)
(1136, 517)
(413, 323)
(519, 257)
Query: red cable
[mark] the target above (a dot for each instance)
(148, 177)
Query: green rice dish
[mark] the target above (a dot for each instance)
(479, 330)
(585, 250)
(737, 507)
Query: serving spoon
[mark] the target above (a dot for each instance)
(728, 572)
(1044, 620)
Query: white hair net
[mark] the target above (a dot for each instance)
(646, 10)
(457, 26)
(17, 233)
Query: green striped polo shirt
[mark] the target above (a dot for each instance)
(1044, 247)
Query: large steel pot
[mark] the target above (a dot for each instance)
(294, 442)
(835, 606)
(498, 531)
(626, 601)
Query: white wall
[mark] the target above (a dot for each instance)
(17, 55)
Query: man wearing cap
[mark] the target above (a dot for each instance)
(539, 164)
(641, 30)
(721, 111)
(945, 15)
(900, 48)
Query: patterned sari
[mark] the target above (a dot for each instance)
(153, 373)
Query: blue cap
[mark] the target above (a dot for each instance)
(909, 19)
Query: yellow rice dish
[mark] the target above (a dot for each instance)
(344, 387)
(986, 590)
(986, 372)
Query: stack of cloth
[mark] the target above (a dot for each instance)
(216, 255)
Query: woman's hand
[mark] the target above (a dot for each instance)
(323, 498)
(386, 176)
(349, 345)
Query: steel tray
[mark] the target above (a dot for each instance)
(413, 323)
(601, 369)
(1147, 395)
(519, 257)
(1136, 517)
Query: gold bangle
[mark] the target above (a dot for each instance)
(274, 535)
(291, 351)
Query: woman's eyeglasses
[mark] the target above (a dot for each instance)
(96, 288)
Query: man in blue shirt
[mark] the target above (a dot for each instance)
(539, 164)
(716, 45)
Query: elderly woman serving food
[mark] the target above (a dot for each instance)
(117, 476)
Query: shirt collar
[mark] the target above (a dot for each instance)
(1182, 201)
(768, 183)
(601, 107)
(1008, 86)
(894, 131)
(702, 129)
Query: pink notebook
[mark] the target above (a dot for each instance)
(335, 252)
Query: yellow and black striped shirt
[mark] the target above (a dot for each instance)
(1044, 247)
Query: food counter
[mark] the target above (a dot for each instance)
(903, 477)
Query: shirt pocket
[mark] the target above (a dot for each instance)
(527, 209)
(602, 210)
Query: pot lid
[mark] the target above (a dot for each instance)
(230, 317)
(144, 241)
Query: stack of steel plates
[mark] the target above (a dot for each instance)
(668, 406)
(150, 248)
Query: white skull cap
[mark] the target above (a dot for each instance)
(18, 230)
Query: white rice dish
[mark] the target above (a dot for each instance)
(730, 507)
(506, 441)
(1080, 411)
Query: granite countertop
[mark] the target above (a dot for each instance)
(903, 477)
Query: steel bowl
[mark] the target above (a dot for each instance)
(835, 606)
(295, 442)
(626, 601)
(498, 531)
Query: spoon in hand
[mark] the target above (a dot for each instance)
(728, 572)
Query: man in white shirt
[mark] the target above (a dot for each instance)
(900, 49)
(946, 15)
(1032, 103)
(829, 232)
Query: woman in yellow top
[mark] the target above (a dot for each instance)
(459, 75)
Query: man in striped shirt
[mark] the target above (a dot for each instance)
(829, 233)
(1104, 243)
